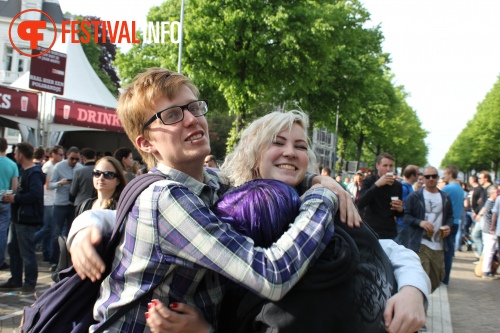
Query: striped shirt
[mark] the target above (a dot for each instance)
(174, 244)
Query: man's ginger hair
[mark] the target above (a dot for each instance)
(137, 102)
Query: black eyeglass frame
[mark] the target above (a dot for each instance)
(182, 107)
(434, 176)
(106, 174)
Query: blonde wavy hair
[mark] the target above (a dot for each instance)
(241, 165)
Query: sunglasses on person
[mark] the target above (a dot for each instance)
(74, 158)
(105, 174)
(175, 114)
(431, 176)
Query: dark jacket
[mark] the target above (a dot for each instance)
(82, 186)
(346, 290)
(28, 201)
(414, 213)
(377, 200)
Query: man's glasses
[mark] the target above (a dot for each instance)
(74, 158)
(431, 176)
(175, 114)
(105, 174)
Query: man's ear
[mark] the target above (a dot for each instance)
(145, 145)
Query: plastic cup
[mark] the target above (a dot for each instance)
(441, 232)
(394, 198)
(430, 233)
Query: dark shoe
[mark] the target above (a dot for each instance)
(9, 286)
(53, 267)
(489, 276)
(5, 266)
(27, 290)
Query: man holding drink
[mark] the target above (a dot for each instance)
(376, 198)
(429, 210)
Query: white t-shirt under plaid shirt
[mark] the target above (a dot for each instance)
(174, 244)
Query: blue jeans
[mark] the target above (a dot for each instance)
(22, 253)
(449, 253)
(44, 234)
(458, 237)
(403, 237)
(63, 218)
(4, 229)
(477, 237)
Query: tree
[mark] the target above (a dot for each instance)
(101, 56)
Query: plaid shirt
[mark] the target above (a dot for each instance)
(176, 246)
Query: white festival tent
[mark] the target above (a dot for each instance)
(81, 85)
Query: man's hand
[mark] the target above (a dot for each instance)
(397, 205)
(180, 318)
(86, 260)
(348, 212)
(385, 180)
(427, 226)
(405, 312)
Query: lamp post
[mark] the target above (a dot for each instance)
(335, 142)
(181, 37)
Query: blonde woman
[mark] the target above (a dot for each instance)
(276, 147)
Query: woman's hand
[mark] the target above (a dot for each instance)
(180, 318)
(86, 261)
(348, 212)
(405, 312)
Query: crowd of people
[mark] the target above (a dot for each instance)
(237, 246)
(458, 215)
(43, 189)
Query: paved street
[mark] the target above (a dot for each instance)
(468, 305)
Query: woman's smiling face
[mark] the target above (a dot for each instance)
(286, 159)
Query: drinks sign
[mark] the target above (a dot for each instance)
(86, 115)
(18, 103)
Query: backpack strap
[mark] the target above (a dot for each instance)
(127, 199)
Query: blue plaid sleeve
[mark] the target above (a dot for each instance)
(191, 232)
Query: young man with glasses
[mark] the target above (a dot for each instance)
(64, 210)
(173, 244)
(426, 211)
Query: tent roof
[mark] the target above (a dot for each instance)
(81, 83)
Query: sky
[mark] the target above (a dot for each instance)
(444, 52)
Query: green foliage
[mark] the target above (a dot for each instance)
(248, 57)
(478, 145)
(100, 58)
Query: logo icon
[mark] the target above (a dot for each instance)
(29, 30)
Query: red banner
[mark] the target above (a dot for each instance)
(18, 103)
(86, 115)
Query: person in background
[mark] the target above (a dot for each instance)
(39, 156)
(441, 183)
(108, 180)
(419, 183)
(44, 234)
(456, 194)
(376, 197)
(355, 187)
(326, 172)
(489, 235)
(484, 180)
(124, 155)
(426, 211)
(64, 210)
(8, 181)
(410, 176)
(211, 162)
(27, 216)
(81, 186)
